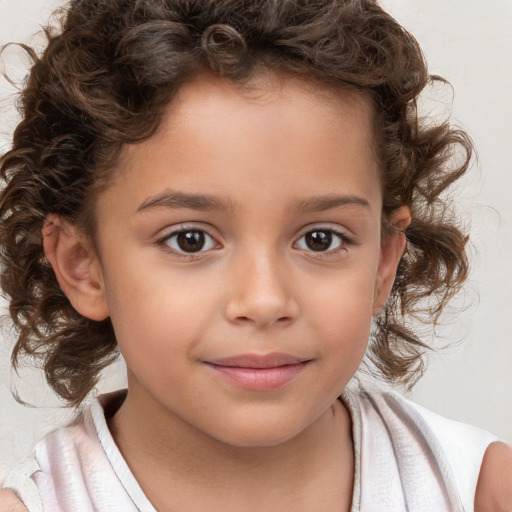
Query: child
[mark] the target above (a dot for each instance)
(232, 193)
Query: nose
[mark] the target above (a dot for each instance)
(260, 292)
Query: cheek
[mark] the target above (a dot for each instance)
(342, 311)
(157, 316)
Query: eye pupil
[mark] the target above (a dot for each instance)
(318, 240)
(191, 241)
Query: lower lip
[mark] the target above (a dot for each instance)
(259, 379)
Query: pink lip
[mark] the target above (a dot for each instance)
(258, 372)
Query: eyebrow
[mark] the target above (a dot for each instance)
(207, 202)
(176, 200)
(326, 202)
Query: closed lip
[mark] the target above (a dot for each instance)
(257, 372)
(258, 361)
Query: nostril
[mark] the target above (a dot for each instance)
(262, 300)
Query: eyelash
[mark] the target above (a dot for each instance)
(163, 242)
(344, 241)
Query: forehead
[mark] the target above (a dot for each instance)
(279, 132)
(279, 92)
(210, 99)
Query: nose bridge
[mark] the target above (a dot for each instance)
(261, 288)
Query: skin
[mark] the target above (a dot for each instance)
(266, 154)
(494, 489)
(257, 288)
(9, 502)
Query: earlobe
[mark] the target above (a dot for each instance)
(393, 246)
(76, 267)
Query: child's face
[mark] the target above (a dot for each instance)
(278, 202)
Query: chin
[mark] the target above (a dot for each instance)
(256, 440)
(258, 434)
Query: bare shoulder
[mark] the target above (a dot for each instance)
(9, 502)
(494, 489)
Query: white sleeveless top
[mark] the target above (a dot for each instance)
(407, 459)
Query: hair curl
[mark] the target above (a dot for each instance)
(104, 80)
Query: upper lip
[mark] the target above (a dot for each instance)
(272, 360)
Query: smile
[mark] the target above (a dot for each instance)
(258, 373)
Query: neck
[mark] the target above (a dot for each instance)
(170, 457)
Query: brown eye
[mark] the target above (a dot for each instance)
(189, 241)
(318, 240)
(321, 240)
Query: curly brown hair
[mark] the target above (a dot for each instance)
(104, 80)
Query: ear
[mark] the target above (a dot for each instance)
(392, 248)
(76, 267)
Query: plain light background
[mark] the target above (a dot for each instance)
(468, 43)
